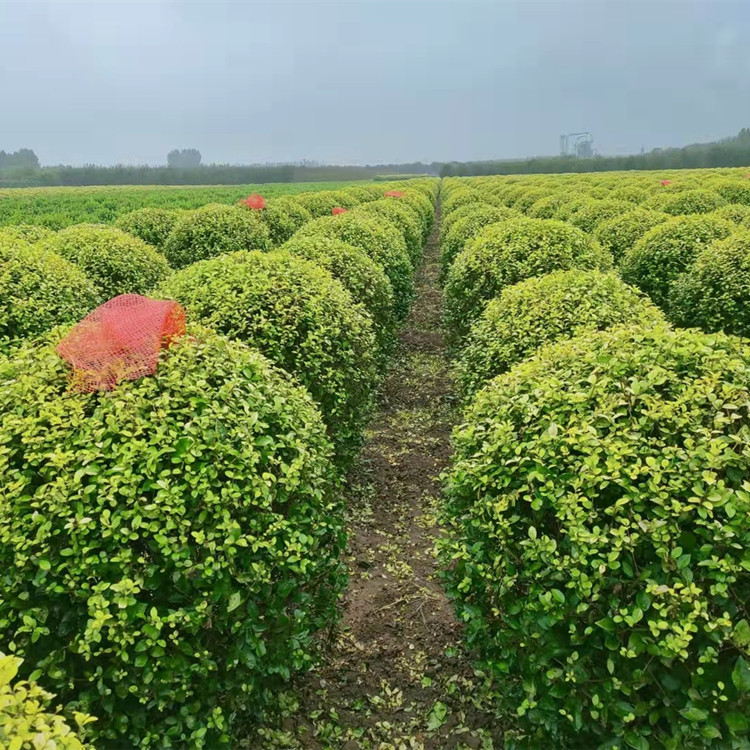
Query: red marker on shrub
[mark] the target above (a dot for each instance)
(120, 340)
(255, 201)
(666, 182)
(393, 194)
(336, 210)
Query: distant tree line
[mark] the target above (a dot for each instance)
(728, 152)
(211, 174)
(23, 159)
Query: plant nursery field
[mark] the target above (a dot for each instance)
(458, 463)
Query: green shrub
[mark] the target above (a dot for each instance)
(547, 207)
(294, 210)
(115, 261)
(665, 251)
(281, 226)
(506, 253)
(448, 220)
(381, 241)
(598, 513)
(595, 213)
(714, 293)
(24, 233)
(466, 229)
(404, 218)
(301, 318)
(363, 277)
(463, 196)
(212, 230)
(39, 290)
(26, 722)
(561, 304)
(152, 225)
(422, 205)
(170, 547)
(733, 191)
(619, 234)
(630, 194)
(737, 213)
(322, 202)
(528, 198)
(575, 202)
(690, 202)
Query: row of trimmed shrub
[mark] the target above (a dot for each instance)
(664, 238)
(597, 509)
(172, 547)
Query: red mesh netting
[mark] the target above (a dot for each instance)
(255, 201)
(336, 210)
(120, 340)
(393, 194)
(666, 182)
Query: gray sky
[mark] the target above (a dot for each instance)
(366, 81)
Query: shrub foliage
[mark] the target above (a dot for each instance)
(169, 548)
(599, 519)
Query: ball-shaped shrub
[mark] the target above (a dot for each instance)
(448, 220)
(28, 718)
(547, 207)
(737, 213)
(363, 277)
(320, 202)
(38, 291)
(665, 251)
(403, 217)
(465, 229)
(631, 194)
(575, 203)
(115, 261)
(281, 226)
(619, 234)
(151, 224)
(381, 241)
(212, 230)
(301, 318)
(691, 202)
(598, 520)
(463, 196)
(506, 253)
(28, 233)
(714, 292)
(595, 213)
(170, 547)
(424, 207)
(733, 191)
(294, 210)
(529, 197)
(538, 311)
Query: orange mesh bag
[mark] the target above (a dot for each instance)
(120, 340)
(336, 210)
(393, 194)
(255, 201)
(666, 182)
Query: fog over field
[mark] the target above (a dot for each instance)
(360, 81)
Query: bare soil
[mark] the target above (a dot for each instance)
(395, 674)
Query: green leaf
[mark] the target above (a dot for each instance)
(741, 634)
(234, 601)
(436, 717)
(694, 714)
(741, 675)
(736, 721)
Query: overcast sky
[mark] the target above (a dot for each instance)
(366, 81)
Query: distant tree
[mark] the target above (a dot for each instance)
(24, 158)
(186, 158)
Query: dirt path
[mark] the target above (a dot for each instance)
(396, 676)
